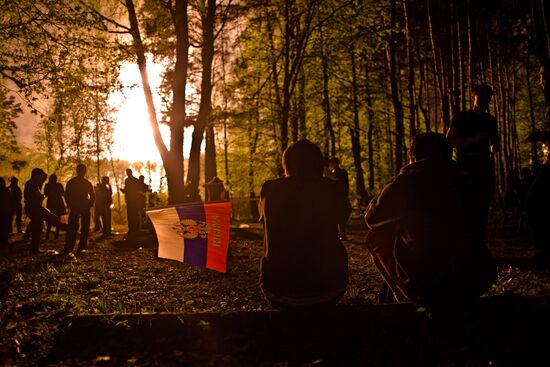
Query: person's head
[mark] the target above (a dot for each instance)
(429, 146)
(14, 180)
(2, 184)
(38, 175)
(53, 178)
(81, 170)
(482, 95)
(141, 178)
(334, 163)
(105, 180)
(129, 172)
(303, 159)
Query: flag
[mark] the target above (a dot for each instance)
(196, 234)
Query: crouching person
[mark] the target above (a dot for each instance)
(418, 236)
(304, 264)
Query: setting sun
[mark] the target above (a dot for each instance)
(133, 134)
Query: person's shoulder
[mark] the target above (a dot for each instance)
(270, 184)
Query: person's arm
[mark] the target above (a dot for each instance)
(458, 142)
(384, 209)
(494, 141)
(91, 194)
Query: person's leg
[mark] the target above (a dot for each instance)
(35, 233)
(70, 237)
(84, 229)
(18, 217)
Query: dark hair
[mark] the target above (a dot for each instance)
(304, 159)
(53, 178)
(483, 89)
(81, 169)
(431, 145)
(38, 172)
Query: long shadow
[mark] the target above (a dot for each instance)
(504, 330)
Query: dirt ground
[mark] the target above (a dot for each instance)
(48, 303)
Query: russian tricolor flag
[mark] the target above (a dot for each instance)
(196, 234)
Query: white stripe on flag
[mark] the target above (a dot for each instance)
(166, 222)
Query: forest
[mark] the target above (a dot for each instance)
(249, 77)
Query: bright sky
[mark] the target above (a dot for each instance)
(133, 135)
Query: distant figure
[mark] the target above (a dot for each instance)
(418, 235)
(304, 264)
(54, 192)
(474, 135)
(131, 190)
(6, 213)
(214, 190)
(34, 209)
(341, 175)
(17, 197)
(525, 183)
(102, 205)
(326, 169)
(143, 190)
(537, 205)
(80, 197)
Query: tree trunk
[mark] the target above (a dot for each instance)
(397, 105)
(205, 107)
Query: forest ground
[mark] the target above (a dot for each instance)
(120, 305)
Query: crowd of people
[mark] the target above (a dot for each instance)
(77, 199)
(427, 229)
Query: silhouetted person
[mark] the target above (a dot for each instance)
(34, 209)
(214, 189)
(418, 234)
(474, 135)
(80, 197)
(538, 211)
(304, 264)
(143, 189)
(102, 205)
(131, 190)
(6, 213)
(54, 193)
(341, 175)
(17, 197)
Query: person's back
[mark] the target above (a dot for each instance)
(78, 193)
(419, 237)
(304, 264)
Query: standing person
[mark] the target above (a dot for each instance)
(341, 175)
(304, 263)
(474, 134)
(6, 213)
(17, 197)
(97, 207)
(143, 189)
(80, 197)
(131, 194)
(214, 190)
(418, 238)
(54, 191)
(34, 209)
(102, 207)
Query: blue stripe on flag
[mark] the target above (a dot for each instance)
(194, 248)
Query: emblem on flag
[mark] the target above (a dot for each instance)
(195, 234)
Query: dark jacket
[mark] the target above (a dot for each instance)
(303, 255)
(79, 193)
(423, 211)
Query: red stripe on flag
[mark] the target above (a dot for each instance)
(217, 220)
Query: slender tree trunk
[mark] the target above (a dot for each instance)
(410, 61)
(330, 145)
(205, 106)
(397, 105)
(370, 122)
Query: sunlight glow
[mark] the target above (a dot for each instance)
(133, 135)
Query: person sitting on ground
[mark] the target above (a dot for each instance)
(418, 237)
(304, 264)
